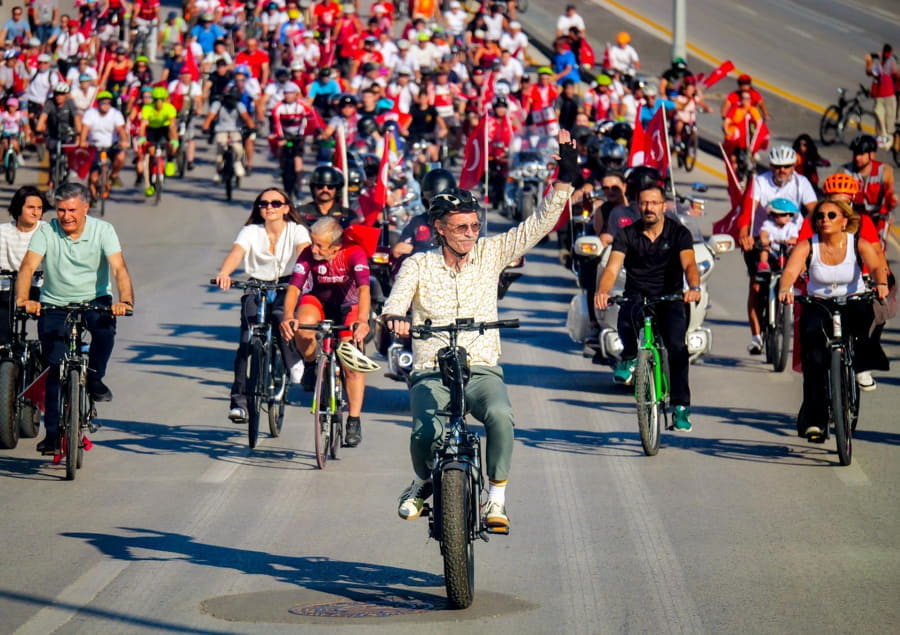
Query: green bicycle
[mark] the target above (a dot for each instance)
(651, 374)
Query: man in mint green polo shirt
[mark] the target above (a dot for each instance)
(81, 256)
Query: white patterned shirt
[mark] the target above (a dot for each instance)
(437, 292)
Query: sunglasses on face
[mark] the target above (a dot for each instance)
(822, 216)
(325, 187)
(459, 230)
(779, 215)
(272, 204)
(782, 167)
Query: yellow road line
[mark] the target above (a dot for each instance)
(708, 57)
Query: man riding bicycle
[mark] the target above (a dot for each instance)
(80, 255)
(459, 280)
(228, 115)
(59, 120)
(330, 282)
(658, 254)
(159, 125)
(103, 127)
(325, 184)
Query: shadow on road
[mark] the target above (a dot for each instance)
(357, 581)
(32, 469)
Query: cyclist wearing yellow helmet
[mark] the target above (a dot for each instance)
(158, 125)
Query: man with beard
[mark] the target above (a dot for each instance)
(325, 184)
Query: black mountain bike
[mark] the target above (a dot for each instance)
(846, 119)
(775, 317)
(454, 517)
(267, 376)
(76, 408)
(20, 364)
(840, 380)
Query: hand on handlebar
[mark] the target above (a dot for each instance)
(397, 325)
(32, 307)
(223, 281)
(121, 308)
(360, 331)
(287, 329)
(691, 295)
(786, 296)
(601, 301)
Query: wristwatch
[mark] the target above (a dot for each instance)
(696, 288)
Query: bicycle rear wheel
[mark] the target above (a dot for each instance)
(158, 179)
(255, 390)
(320, 410)
(456, 544)
(28, 414)
(11, 168)
(781, 336)
(840, 407)
(648, 406)
(72, 414)
(278, 391)
(828, 126)
(337, 417)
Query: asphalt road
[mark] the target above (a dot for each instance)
(175, 526)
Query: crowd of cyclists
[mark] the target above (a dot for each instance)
(415, 83)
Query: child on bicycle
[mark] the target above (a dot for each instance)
(13, 125)
(782, 226)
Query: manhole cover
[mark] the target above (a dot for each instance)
(373, 608)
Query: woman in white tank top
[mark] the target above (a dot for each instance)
(833, 258)
(268, 244)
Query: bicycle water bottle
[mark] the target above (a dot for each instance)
(836, 328)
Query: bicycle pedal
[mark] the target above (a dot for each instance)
(500, 531)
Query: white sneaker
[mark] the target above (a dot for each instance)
(217, 178)
(239, 170)
(756, 345)
(297, 372)
(413, 499)
(865, 381)
(495, 515)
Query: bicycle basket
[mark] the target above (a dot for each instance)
(448, 369)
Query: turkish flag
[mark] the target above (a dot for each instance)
(718, 73)
(728, 224)
(36, 391)
(636, 149)
(370, 209)
(340, 149)
(746, 217)
(365, 237)
(474, 159)
(760, 139)
(191, 64)
(380, 195)
(80, 159)
(656, 143)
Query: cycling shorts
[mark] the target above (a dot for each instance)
(339, 314)
(156, 136)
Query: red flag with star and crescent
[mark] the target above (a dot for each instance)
(80, 159)
(656, 143)
(474, 159)
(636, 149)
(729, 224)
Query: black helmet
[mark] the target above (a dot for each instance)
(640, 177)
(371, 163)
(612, 154)
(436, 181)
(621, 131)
(345, 99)
(282, 74)
(325, 72)
(356, 176)
(500, 102)
(366, 126)
(368, 67)
(326, 175)
(863, 144)
(581, 133)
(452, 201)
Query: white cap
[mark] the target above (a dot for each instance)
(403, 43)
(43, 57)
(455, 5)
(290, 87)
(515, 25)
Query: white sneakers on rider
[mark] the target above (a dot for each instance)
(756, 345)
(865, 381)
(413, 498)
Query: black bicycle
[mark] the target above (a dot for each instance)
(20, 364)
(267, 376)
(775, 317)
(76, 407)
(846, 119)
(454, 517)
(842, 391)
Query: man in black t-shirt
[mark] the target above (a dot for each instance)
(657, 252)
(426, 124)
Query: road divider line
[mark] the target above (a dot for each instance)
(853, 475)
(78, 594)
(665, 33)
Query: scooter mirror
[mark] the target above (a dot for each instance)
(721, 243)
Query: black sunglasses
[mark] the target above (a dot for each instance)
(325, 186)
(823, 215)
(272, 204)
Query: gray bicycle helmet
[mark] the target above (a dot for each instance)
(453, 201)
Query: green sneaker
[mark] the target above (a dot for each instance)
(150, 191)
(624, 372)
(170, 169)
(682, 418)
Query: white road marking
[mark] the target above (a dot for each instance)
(799, 32)
(857, 59)
(220, 471)
(852, 475)
(746, 9)
(78, 594)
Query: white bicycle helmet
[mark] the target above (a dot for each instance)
(61, 88)
(782, 155)
(354, 359)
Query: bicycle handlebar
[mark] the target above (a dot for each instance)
(867, 296)
(425, 330)
(262, 285)
(647, 301)
(76, 307)
(325, 326)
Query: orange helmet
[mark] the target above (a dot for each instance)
(841, 183)
(622, 38)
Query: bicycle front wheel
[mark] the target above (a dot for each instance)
(277, 390)
(781, 337)
(690, 151)
(11, 168)
(648, 405)
(456, 545)
(9, 427)
(337, 415)
(72, 414)
(841, 412)
(254, 390)
(321, 413)
(828, 125)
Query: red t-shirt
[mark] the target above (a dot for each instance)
(334, 283)
(734, 97)
(326, 13)
(254, 60)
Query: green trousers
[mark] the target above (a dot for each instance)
(487, 400)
